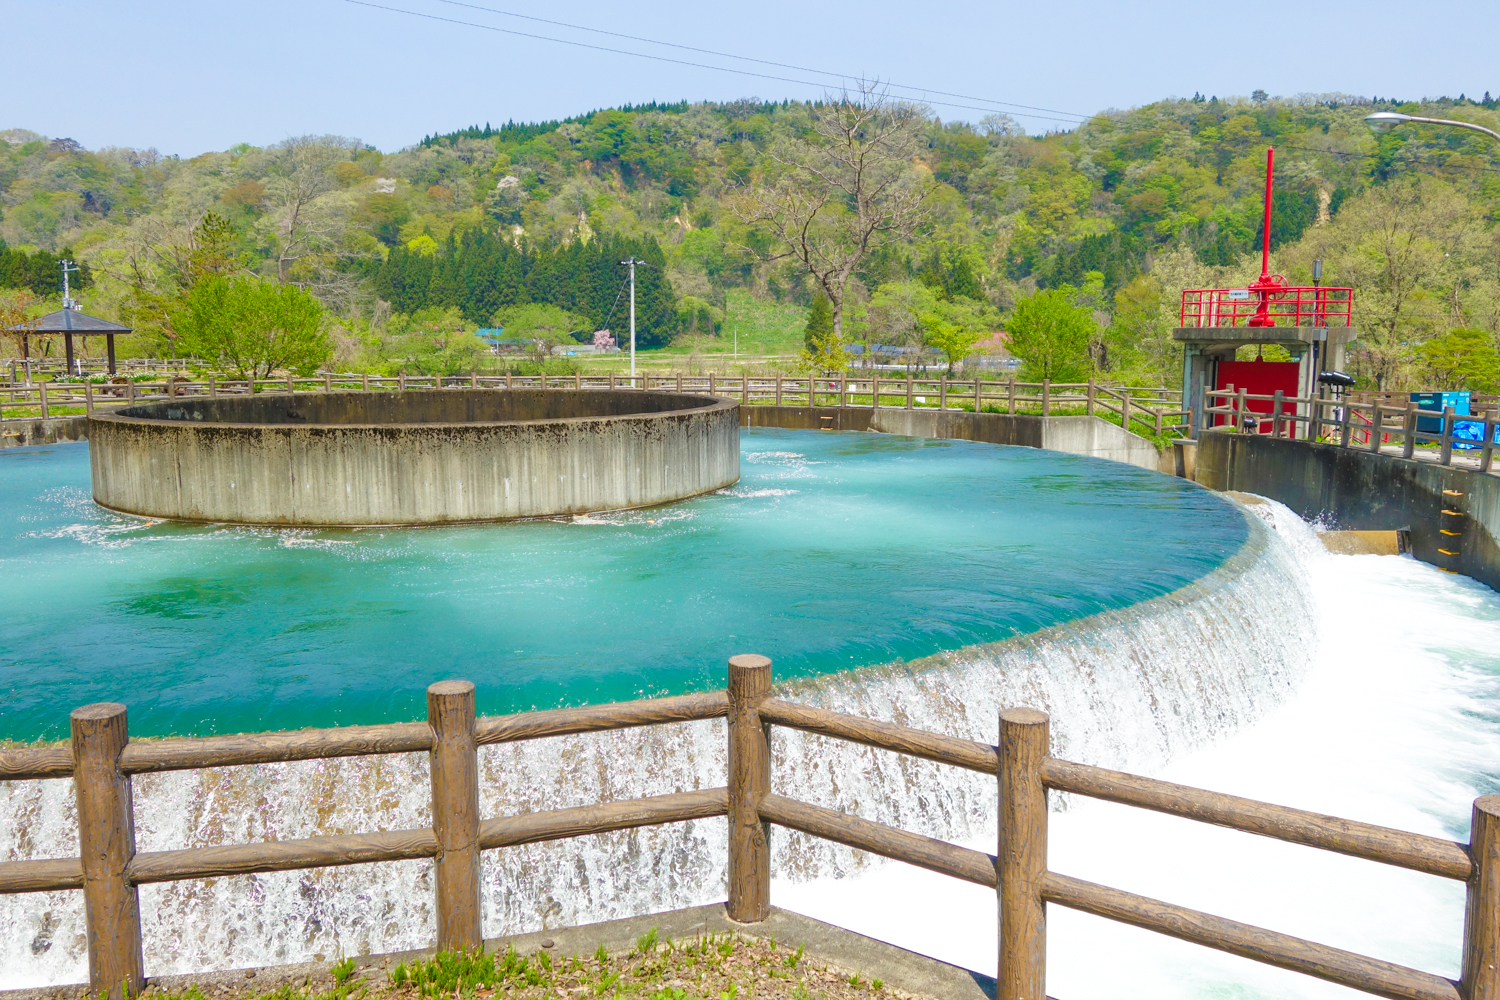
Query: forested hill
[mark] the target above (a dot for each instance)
(1125, 210)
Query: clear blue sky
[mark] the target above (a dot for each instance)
(189, 77)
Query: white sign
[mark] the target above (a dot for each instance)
(1239, 294)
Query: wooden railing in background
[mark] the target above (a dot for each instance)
(101, 760)
(1149, 410)
(1349, 424)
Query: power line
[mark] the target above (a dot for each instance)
(763, 62)
(665, 59)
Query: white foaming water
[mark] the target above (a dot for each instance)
(1133, 689)
(1395, 723)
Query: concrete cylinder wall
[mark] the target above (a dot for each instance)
(429, 457)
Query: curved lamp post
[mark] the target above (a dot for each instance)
(1384, 121)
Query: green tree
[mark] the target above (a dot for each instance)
(1462, 358)
(952, 336)
(544, 327)
(1051, 336)
(254, 327)
(819, 322)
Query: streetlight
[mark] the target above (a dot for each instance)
(1383, 121)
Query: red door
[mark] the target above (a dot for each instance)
(1258, 378)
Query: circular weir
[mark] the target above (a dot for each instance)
(426, 457)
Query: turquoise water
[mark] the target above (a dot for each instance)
(833, 551)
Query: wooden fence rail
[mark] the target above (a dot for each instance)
(102, 758)
(1157, 411)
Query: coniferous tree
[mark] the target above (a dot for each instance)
(819, 322)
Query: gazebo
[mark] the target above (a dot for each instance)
(70, 323)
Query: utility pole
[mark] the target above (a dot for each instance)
(68, 267)
(632, 262)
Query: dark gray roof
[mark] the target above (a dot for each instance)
(73, 321)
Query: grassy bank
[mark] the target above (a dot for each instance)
(709, 967)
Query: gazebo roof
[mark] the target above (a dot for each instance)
(71, 321)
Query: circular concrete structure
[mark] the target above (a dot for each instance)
(425, 457)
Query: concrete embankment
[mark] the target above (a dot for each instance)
(422, 457)
(1076, 435)
(1361, 491)
(27, 433)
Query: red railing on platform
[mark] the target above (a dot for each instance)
(1288, 306)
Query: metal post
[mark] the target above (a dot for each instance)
(1488, 449)
(1445, 444)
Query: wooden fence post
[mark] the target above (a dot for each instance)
(1022, 857)
(874, 393)
(88, 396)
(106, 842)
(778, 390)
(1125, 409)
(1377, 423)
(749, 783)
(1481, 977)
(1046, 396)
(744, 390)
(943, 393)
(908, 390)
(41, 388)
(455, 814)
(978, 393)
(1278, 402)
(1091, 398)
(1010, 403)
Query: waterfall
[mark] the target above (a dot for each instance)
(1129, 689)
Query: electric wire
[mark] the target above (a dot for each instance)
(656, 58)
(753, 59)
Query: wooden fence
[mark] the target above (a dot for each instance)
(101, 761)
(1367, 425)
(1150, 410)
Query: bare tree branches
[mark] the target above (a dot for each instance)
(844, 191)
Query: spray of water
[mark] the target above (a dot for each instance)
(1133, 689)
(1394, 723)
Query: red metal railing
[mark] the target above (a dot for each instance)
(1285, 306)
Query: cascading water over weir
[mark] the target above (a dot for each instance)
(1155, 669)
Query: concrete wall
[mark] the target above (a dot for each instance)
(1082, 435)
(23, 433)
(456, 455)
(1359, 491)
